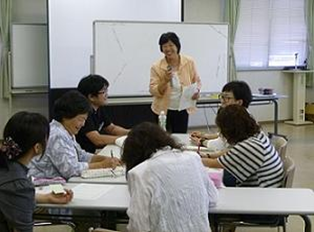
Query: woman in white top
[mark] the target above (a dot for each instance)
(170, 190)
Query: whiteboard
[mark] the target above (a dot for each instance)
(71, 31)
(125, 51)
(29, 55)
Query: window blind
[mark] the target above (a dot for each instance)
(270, 33)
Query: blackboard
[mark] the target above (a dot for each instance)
(125, 51)
(29, 57)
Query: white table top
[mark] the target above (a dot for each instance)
(100, 180)
(265, 201)
(183, 139)
(120, 179)
(279, 201)
(116, 150)
(117, 198)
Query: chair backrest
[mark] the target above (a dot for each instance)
(289, 170)
(280, 144)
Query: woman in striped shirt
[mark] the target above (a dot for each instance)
(252, 160)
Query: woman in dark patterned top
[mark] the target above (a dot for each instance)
(25, 137)
(252, 160)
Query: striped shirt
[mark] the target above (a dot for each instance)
(254, 162)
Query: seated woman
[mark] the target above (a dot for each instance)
(252, 159)
(233, 93)
(169, 188)
(25, 137)
(64, 157)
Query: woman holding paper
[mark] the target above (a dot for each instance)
(25, 136)
(174, 84)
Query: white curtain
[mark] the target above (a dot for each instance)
(231, 15)
(309, 19)
(5, 23)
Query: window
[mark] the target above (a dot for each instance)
(270, 33)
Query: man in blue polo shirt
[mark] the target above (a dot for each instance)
(98, 130)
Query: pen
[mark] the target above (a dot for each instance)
(112, 171)
(199, 148)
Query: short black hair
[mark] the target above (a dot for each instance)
(143, 141)
(70, 104)
(240, 90)
(92, 84)
(25, 129)
(170, 36)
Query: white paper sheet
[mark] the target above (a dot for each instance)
(90, 191)
(120, 141)
(186, 98)
(195, 148)
(106, 151)
(43, 189)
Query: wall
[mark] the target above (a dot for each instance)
(212, 11)
(26, 11)
(282, 84)
(33, 11)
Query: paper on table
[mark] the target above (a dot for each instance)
(90, 191)
(195, 148)
(57, 188)
(120, 141)
(43, 189)
(106, 151)
(186, 97)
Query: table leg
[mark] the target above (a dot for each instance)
(307, 223)
(275, 117)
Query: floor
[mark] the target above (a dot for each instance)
(301, 149)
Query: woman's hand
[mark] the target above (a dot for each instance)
(195, 140)
(61, 198)
(111, 162)
(196, 95)
(196, 134)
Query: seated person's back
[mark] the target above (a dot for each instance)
(170, 190)
(177, 187)
(254, 162)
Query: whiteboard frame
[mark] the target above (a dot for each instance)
(138, 96)
(70, 31)
(29, 65)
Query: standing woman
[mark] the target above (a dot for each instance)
(170, 190)
(168, 76)
(25, 137)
